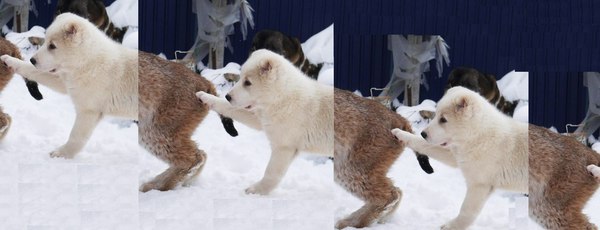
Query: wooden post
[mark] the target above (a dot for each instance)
(412, 88)
(21, 19)
(216, 54)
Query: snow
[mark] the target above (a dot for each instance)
(22, 42)
(125, 13)
(319, 47)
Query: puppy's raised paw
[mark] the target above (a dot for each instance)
(595, 170)
(401, 135)
(207, 98)
(11, 62)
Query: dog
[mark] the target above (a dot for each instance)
(559, 184)
(274, 96)
(295, 112)
(95, 12)
(169, 114)
(287, 46)
(99, 75)
(489, 148)
(484, 84)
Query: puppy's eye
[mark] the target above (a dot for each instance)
(51, 46)
(443, 120)
(247, 83)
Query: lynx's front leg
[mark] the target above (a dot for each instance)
(224, 108)
(85, 122)
(281, 158)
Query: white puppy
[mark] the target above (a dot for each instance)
(99, 75)
(295, 112)
(490, 148)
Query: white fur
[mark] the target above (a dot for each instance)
(490, 148)
(295, 112)
(99, 75)
(595, 170)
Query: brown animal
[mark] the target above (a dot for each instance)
(6, 75)
(484, 84)
(559, 183)
(365, 149)
(287, 46)
(169, 113)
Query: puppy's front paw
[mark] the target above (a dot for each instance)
(258, 188)
(595, 170)
(60, 153)
(206, 98)
(402, 135)
(11, 62)
(453, 225)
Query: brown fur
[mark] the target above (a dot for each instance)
(6, 75)
(169, 114)
(365, 149)
(559, 184)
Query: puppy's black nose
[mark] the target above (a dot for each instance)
(424, 135)
(33, 61)
(228, 97)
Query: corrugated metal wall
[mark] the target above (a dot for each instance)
(552, 39)
(494, 36)
(166, 26)
(45, 12)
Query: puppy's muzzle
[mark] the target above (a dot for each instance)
(424, 134)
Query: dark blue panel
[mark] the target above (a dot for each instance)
(166, 26)
(557, 99)
(45, 13)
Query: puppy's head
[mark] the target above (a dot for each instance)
(63, 43)
(8, 48)
(456, 114)
(259, 80)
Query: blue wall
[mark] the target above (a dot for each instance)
(46, 12)
(166, 26)
(551, 39)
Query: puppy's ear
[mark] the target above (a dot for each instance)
(463, 105)
(265, 67)
(72, 32)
